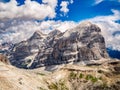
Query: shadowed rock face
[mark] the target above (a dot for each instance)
(24, 52)
(81, 43)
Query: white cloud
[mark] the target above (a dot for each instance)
(64, 7)
(16, 30)
(71, 1)
(109, 27)
(97, 2)
(52, 3)
(31, 9)
(66, 25)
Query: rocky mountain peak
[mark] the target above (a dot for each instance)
(55, 32)
(84, 29)
(82, 43)
(87, 27)
(38, 35)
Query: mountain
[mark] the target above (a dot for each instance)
(82, 43)
(24, 53)
(6, 47)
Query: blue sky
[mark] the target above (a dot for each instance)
(82, 9)
(20, 19)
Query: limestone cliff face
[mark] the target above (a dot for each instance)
(24, 52)
(84, 42)
(81, 43)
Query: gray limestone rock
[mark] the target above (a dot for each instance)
(82, 43)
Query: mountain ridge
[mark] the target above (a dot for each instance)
(84, 42)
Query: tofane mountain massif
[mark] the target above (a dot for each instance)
(82, 43)
(72, 60)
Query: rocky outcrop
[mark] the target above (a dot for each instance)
(82, 43)
(4, 59)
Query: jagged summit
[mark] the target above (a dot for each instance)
(83, 29)
(38, 35)
(87, 26)
(55, 32)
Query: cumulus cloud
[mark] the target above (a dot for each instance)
(31, 9)
(18, 23)
(64, 7)
(109, 28)
(52, 3)
(16, 30)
